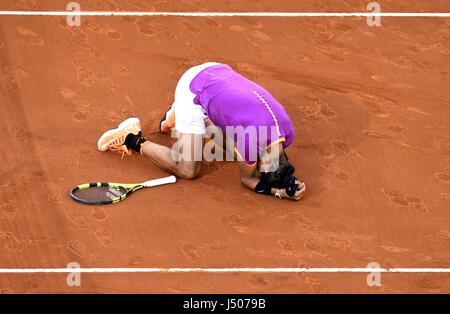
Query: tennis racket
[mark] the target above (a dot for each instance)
(104, 193)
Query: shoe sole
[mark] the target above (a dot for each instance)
(164, 119)
(110, 132)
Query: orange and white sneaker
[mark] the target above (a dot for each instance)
(167, 122)
(117, 139)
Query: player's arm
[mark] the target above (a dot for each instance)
(249, 175)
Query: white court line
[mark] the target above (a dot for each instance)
(223, 270)
(228, 14)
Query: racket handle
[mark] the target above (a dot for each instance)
(162, 181)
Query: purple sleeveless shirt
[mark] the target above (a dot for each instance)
(243, 110)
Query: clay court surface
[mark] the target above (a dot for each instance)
(371, 106)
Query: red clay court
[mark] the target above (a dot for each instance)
(371, 107)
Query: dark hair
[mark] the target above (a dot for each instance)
(280, 177)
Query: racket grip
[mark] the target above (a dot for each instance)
(162, 181)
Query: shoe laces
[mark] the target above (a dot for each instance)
(118, 146)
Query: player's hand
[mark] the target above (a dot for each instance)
(298, 193)
(300, 190)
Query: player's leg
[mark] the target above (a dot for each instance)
(186, 120)
(184, 98)
(185, 117)
(182, 160)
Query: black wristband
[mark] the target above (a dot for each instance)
(291, 186)
(263, 188)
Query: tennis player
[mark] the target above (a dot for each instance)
(212, 98)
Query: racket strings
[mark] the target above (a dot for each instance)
(101, 194)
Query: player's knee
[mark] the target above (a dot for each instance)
(189, 173)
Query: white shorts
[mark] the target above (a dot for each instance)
(189, 117)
